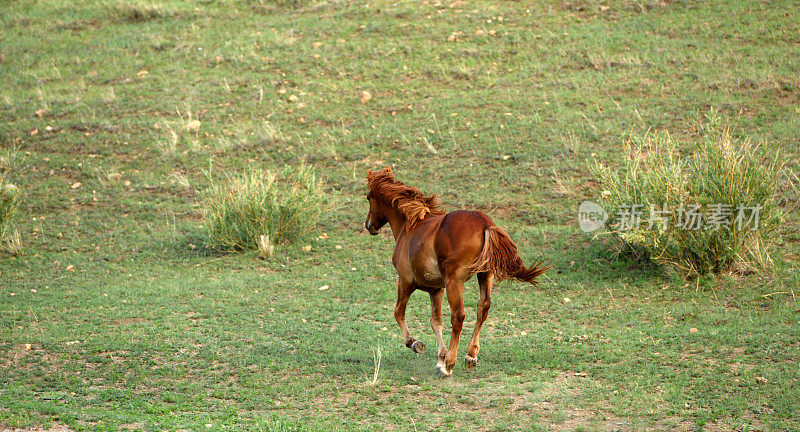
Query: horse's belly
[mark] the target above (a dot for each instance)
(427, 273)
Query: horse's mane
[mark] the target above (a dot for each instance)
(409, 201)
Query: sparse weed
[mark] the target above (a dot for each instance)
(167, 143)
(12, 243)
(376, 361)
(8, 160)
(179, 137)
(181, 180)
(264, 134)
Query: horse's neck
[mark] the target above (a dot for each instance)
(397, 222)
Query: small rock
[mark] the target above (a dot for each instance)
(75, 185)
(324, 288)
(365, 96)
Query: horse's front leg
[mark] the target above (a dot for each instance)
(404, 291)
(455, 288)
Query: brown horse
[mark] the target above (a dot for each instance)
(436, 252)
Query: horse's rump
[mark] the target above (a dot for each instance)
(500, 257)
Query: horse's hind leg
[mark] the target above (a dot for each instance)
(485, 281)
(404, 291)
(436, 325)
(455, 288)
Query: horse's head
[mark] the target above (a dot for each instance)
(376, 218)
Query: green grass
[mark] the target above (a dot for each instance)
(133, 320)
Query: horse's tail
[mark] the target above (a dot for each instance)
(500, 257)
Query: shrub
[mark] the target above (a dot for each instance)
(9, 200)
(240, 209)
(137, 11)
(723, 175)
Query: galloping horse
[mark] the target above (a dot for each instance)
(436, 252)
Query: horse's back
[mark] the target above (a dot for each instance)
(442, 245)
(460, 237)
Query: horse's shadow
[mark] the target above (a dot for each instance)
(598, 260)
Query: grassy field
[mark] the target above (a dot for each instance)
(117, 314)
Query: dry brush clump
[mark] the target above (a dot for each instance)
(723, 175)
(9, 201)
(138, 11)
(251, 211)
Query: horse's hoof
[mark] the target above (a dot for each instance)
(418, 347)
(470, 362)
(442, 372)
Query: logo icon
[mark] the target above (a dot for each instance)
(591, 216)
